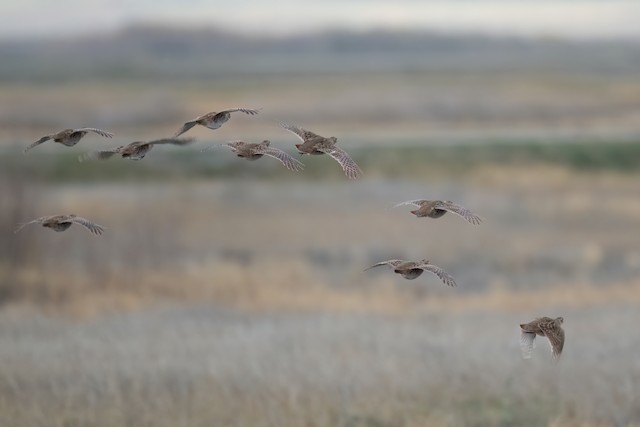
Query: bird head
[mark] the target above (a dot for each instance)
(266, 143)
(333, 139)
(560, 320)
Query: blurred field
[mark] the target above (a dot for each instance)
(202, 366)
(269, 319)
(232, 293)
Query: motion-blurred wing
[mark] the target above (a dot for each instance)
(301, 133)
(38, 142)
(185, 127)
(446, 278)
(351, 169)
(527, 343)
(393, 263)
(89, 225)
(232, 145)
(21, 225)
(94, 130)
(249, 111)
(173, 141)
(417, 203)
(556, 338)
(96, 155)
(459, 210)
(288, 161)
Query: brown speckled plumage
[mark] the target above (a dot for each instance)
(413, 269)
(63, 222)
(437, 208)
(68, 137)
(214, 119)
(314, 144)
(252, 151)
(134, 151)
(546, 327)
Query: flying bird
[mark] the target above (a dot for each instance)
(252, 151)
(134, 151)
(62, 222)
(214, 119)
(314, 144)
(545, 327)
(437, 208)
(68, 137)
(413, 269)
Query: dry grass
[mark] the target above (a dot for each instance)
(204, 365)
(244, 303)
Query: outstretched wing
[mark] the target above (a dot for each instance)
(393, 263)
(96, 155)
(249, 111)
(556, 338)
(89, 225)
(527, 343)
(185, 127)
(38, 142)
(351, 169)
(288, 161)
(94, 130)
(21, 225)
(301, 133)
(459, 210)
(173, 141)
(446, 278)
(417, 203)
(232, 145)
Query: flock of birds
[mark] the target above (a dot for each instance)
(312, 144)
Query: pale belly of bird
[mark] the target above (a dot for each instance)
(138, 154)
(410, 274)
(217, 122)
(250, 157)
(436, 213)
(58, 226)
(70, 141)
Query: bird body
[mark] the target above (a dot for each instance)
(413, 269)
(253, 151)
(545, 327)
(213, 120)
(314, 144)
(68, 137)
(437, 208)
(134, 151)
(62, 222)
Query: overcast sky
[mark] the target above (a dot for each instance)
(538, 18)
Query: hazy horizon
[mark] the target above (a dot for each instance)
(573, 19)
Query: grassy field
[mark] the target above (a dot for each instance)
(232, 293)
(205, 365)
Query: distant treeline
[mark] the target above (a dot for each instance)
(168, 53)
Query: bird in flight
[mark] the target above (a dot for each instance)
(68, 137)
(252, 151)
(437, 208)
(134, 151)
(62, 222)
(413, 269)
(545, 327)
(214, 119)
(315, 144)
